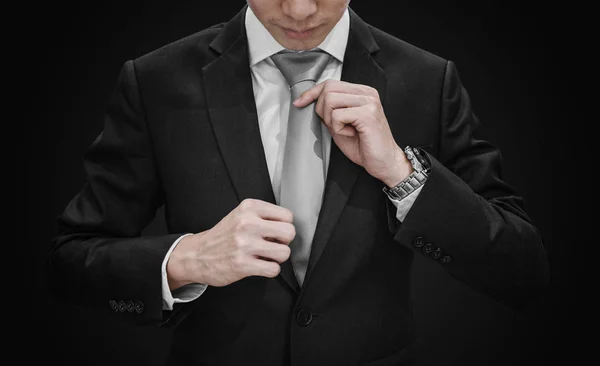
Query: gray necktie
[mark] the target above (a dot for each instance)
(302, 176)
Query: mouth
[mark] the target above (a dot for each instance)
(302, 34)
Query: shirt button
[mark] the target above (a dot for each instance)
(304, 317)
(446, 259)
(419, 241)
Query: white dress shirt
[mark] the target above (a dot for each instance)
(272, 97)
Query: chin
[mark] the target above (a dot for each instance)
(299, 45)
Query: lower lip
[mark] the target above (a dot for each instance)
(301, 35)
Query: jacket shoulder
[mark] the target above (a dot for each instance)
(191, 49)
(394, 52)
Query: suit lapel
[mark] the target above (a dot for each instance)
(359, 68)
(232, 109)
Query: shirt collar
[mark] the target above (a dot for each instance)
(262, 44)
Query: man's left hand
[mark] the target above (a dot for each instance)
(355, 119)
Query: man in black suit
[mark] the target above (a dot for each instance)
(251, 272)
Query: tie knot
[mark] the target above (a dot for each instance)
(300, 66)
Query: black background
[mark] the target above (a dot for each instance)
(505, 53)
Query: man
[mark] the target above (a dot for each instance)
(297, 187)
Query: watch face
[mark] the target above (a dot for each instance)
(423, 160)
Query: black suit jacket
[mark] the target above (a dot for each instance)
(181, 131)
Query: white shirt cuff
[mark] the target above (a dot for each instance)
(404, 205)
(183, 294)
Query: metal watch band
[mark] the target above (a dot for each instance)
(416, 179)
(407, 186)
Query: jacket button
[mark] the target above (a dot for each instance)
(122, 306)
(130, 306)
(419, 241)
(436, 254)
(113, 306)
(139, 307)
(304, 317)
(446, 259)
(428, 248)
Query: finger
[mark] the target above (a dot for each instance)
(334, 86)
(259, 267)
(272, 251)
(309, 96)
(334, 100)
(266, 210)
(281, 232)
(343, 120)
(347, 131)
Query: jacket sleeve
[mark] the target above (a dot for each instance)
(467, 218)
(98, 258)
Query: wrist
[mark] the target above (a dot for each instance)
(400, 169)
(416, 178)
(174, 284)
(176, 268)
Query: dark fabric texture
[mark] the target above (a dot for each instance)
(181, 131)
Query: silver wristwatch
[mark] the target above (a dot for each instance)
(416, 179)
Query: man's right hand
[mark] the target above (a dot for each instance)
(252, 240)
